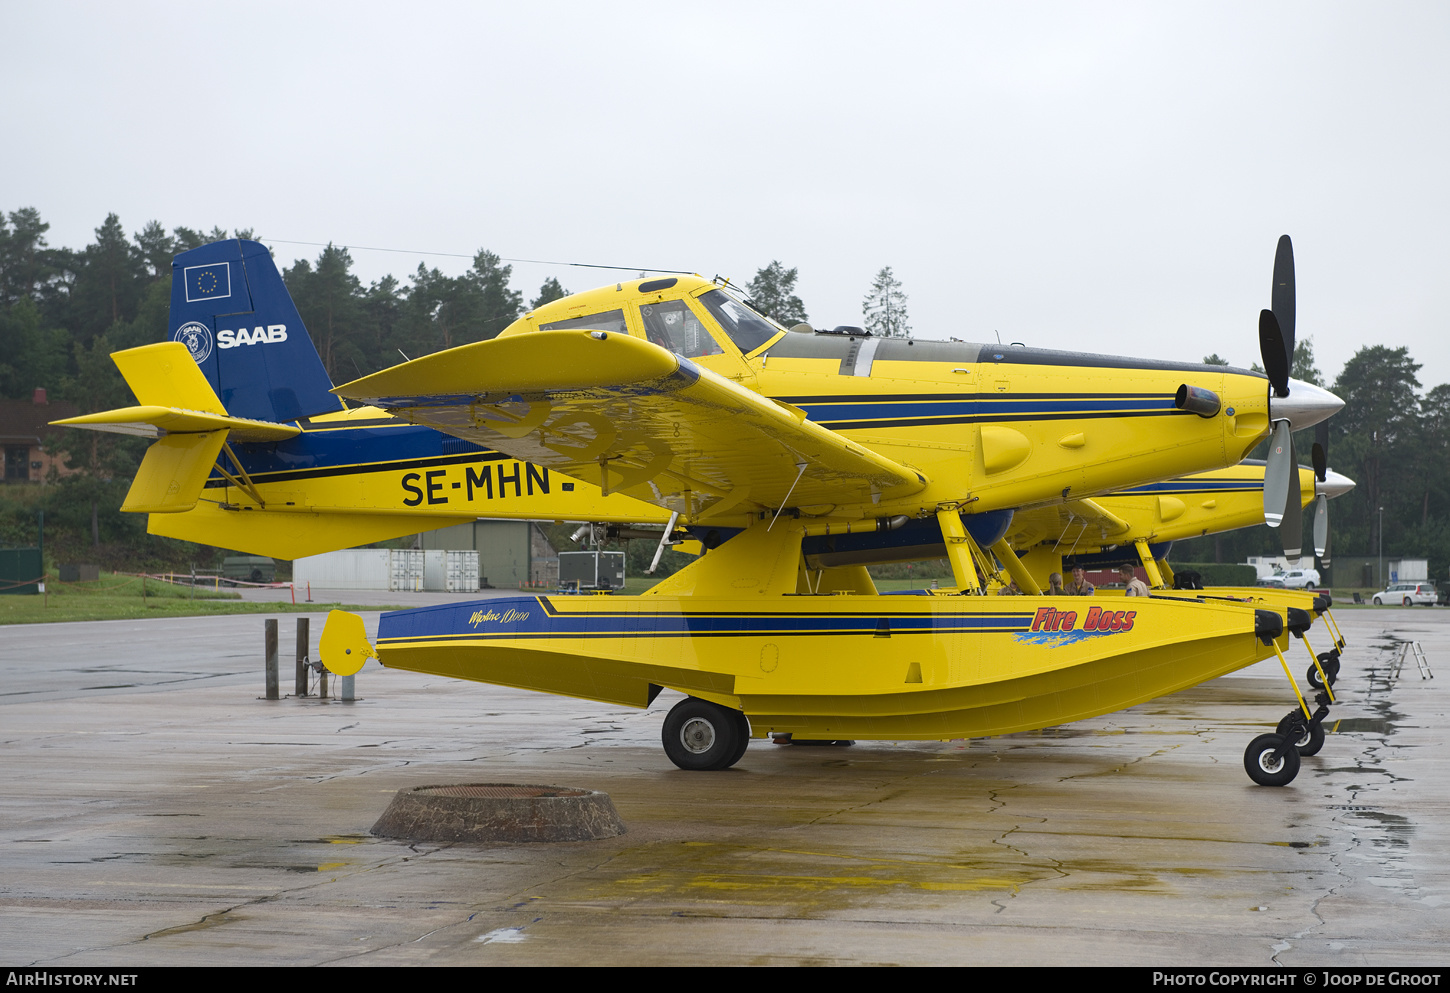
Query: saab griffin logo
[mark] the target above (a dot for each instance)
(232, 338)
(197, 339)
(208, 282)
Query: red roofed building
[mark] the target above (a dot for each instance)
(28, 438)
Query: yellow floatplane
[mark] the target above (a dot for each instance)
(673, 399)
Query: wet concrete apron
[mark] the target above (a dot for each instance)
(155, 811)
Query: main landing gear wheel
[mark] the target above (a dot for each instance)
(1309, 741)
(700, 735)
(1269, 763)
(743, 727)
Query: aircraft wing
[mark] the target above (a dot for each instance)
(635, 418)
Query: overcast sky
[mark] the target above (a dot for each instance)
(1107, 177)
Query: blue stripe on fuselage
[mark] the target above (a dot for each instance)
(319, 450)
(539, 617)
(829, 411)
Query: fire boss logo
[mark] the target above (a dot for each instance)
(1097, 619)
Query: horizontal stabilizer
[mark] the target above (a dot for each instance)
(154, 422)
(175, 398)
(173, 472)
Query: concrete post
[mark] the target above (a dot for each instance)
(322, 684)
(303, 643)
(347, 689)
(271, 644)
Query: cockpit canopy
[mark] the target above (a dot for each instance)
(690, 316)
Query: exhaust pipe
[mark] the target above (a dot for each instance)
(1204, 403)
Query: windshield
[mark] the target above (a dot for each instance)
(747, 328)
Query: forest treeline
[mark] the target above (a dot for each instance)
(64, 310)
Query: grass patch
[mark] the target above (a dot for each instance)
(116, 597)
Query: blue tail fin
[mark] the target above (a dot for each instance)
(231, 309)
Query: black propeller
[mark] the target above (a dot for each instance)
(1320, 457)
(1271, 350)
(1282, 299)
(1276, 348)
(1276, 325)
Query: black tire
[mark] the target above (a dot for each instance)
(1309, 586)
(1409, 602)
(256, 575)
(1377, 602)
(1310, 742)
(743, 727)
(699, 735)
(1261, 766)
(1313, 676)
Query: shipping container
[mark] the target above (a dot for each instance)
(402, 570)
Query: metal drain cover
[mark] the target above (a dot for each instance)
(493, 812)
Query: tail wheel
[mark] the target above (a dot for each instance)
(1331, 669)
(1268, 768)
(1309, 742)
(700, 735)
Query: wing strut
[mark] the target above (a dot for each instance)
(802, 467)
(245, 483)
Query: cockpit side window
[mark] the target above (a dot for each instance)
(671, 324)
(610, 320)
(748, 329)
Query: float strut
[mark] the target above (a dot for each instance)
(1155, 578)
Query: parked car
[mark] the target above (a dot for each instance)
(1300, 579)
(1275, 581)
(1407, 594)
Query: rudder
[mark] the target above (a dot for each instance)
(232, 311)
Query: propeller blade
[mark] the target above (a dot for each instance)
(1282, 299)
(1291, 529)
(1279, 473)
(1271, 350)
(1320, 452)
(1321, 527)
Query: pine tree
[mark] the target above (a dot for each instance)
(885, 307)
(548, 293)
(156, 249)
(497, 306)
(772, 292)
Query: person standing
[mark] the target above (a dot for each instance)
(1079, 585)
(1136, 587)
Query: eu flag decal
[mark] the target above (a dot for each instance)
(208, 282)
